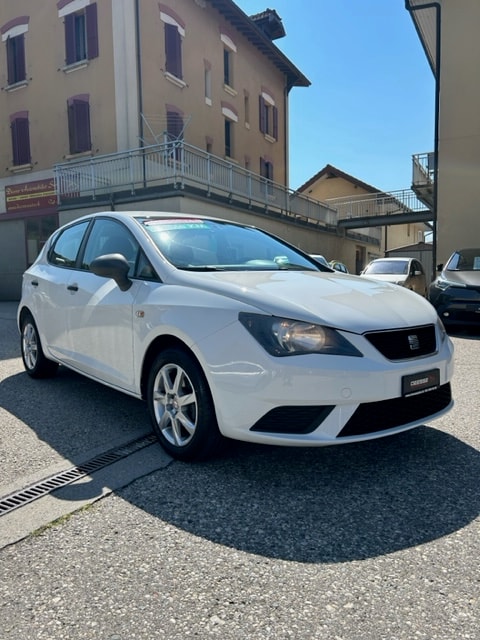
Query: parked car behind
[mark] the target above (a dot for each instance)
(319, 258)
(227, 331)
(407, 272)
(338, 266)
(455, 293)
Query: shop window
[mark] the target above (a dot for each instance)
(37, 232)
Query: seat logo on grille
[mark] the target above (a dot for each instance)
(413, 342)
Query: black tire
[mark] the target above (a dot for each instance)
(181, 407)
(34, 360)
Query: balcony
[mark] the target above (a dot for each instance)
(162, 170)
(371, 209)
(423, 178)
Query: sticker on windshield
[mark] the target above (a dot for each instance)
(177, 224)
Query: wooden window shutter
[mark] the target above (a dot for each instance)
(70, 39)
(262, 118)
(173, 52)
(79, 126)
(16, 68)
(275, 123)
(21, 141)
(92, 31)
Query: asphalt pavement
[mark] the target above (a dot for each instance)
(377, 541)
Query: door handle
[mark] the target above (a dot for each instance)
(34, 283)
(72, 287)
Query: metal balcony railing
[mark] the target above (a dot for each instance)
(423, 169)
(179, 165)
(378, 204)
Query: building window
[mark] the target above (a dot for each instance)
(228, 138)
(246, 108)
(266, 169)
(231, 116)
(20, 138)
(175, 129)
(268, 117)
(227, 68)
(79, 124)
(13, 34)
(208, 82)
(16, 59)
(229, 49)
(174, 124)
(174, 31)
(173, 51)
(81, 34)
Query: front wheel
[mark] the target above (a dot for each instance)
(181, 407)
(34, 360)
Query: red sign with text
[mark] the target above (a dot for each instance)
(31, 196)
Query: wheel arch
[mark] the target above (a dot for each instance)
(161, 343)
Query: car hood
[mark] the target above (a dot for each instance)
(337, 300)
(469, 278)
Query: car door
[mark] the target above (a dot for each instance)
(100, 315)
(50, 279)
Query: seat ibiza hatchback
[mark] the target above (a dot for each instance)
(227, 331)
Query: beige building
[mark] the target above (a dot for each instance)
(138, 104)
(448, 30)
(351, 197)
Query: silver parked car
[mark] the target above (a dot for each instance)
(407, 272)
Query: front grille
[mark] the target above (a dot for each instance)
(404, 344)
(296, 420)
(387, 414)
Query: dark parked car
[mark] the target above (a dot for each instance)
(455, 294)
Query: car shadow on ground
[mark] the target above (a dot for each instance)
(332, 504)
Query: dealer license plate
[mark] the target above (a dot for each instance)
(420, 382)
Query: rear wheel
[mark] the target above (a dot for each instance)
(34, 360)
(181, 407)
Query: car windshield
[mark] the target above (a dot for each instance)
(210, 245)
(397, 267)
(465, 260)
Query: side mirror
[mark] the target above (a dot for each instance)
(440, 266)
(115, 266)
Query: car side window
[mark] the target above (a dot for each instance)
(109, 236)
(64, 251)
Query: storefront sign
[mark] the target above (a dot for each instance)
(31, 196)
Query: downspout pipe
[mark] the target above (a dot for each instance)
(437, 73)
(139, 81)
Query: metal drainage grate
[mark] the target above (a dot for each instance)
(43, 487)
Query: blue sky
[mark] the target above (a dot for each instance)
(370, 106)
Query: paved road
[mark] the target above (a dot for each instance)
(379, 541)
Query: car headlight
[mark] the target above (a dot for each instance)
(285, 337)
(443, 284)
(442, 331)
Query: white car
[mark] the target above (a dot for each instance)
(227, 331)
(406, 272)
